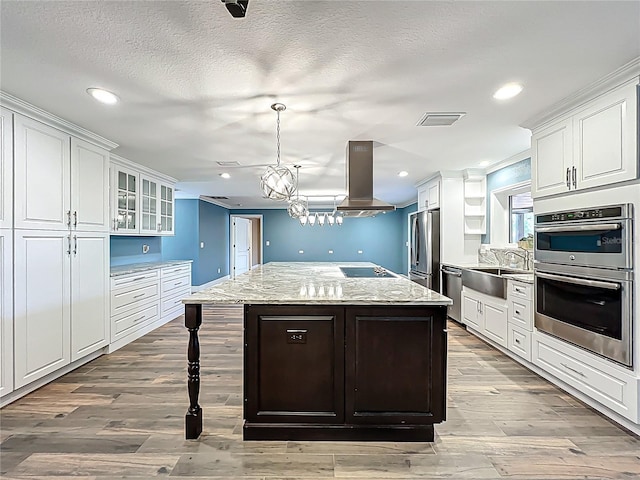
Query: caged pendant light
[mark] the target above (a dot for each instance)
(297, 208)
(279, 182)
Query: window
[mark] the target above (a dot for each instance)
(521, 215)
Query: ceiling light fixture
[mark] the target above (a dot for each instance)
(403, 173)
(278, 183)
(237, 8)
(225, 175)
(103, 96)
(297, 208)
(507, 91)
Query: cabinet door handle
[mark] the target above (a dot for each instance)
(518, 290)
(517, 341)
(75, 218)
(574, 174)
(69, 245)
(75, 245)
(568, 178)
(138, 296)
(517, 312)
(68, 218)
(139, 318)
(573, 370)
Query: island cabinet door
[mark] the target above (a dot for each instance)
(395, 365)
(294, 364)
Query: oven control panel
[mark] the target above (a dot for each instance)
(587, 214)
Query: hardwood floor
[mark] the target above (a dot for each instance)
(122, 415)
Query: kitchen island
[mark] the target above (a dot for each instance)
(328, 357)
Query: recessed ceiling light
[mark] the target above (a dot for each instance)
(403, 173)
(508, 91)
(103, 96)
(225, 175)
(484, 163)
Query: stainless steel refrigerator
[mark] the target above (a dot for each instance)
(425, 248)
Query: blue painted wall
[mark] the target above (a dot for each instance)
(214, 232)
(198, 221)
(515, 173)
(127, 250)
(380, 238)
(405, 212)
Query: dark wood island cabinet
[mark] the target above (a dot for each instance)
(344, 372)
(331, 358)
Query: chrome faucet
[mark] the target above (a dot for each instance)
(526, 256)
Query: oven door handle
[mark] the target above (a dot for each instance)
(580, 281)
(581, 228)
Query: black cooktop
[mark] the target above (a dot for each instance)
(366, 272)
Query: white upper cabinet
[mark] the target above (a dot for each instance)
(551, 155)
(89, 187)
(591, 146)
(42, 175)
(142, 201)
(6, 312)
(429, 195)
(605, 138)
(6, 168)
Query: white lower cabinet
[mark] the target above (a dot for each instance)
(61, 299)
(145, 300)
(485, 314)
(520, 325)
(608, 384)
(519, 341)
(6, 311)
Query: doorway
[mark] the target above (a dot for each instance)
(245, 243)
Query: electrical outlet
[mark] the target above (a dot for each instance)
(201, 244)
(218, 270)
(360, 251)
(267, 243)
(300, 251)
(145, 248)
(330, 251)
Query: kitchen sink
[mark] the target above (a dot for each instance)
(488, 280)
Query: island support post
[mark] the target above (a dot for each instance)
(193, 418)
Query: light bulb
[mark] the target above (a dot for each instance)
(312, 219)
(330, 219)
(339, 219)
(321, 219)
(303, 220)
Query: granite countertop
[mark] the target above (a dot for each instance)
(522, 276)
(141, 267)
(306, 283)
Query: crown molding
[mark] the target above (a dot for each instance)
(518, 157)
(24, 108)
(629, 72)
(128, 163)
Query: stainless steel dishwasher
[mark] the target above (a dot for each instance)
(452, 288)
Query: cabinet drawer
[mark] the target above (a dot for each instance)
(520, 313)
(131, 321)
(133, 279)
(126, 299)
(174, 301)
(176, 270)
(519, 290)
(592, 376)
(172, 285)
(519, 341)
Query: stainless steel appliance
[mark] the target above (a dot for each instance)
(595, 237)
(425, 248)
(584, 279)
(452, 288)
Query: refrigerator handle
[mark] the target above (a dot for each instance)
(415, 247)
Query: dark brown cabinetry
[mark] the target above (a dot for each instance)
(336, 372)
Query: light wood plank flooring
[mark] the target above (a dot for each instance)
(122, 416)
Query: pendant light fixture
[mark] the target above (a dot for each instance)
(278, 183)
(297, 208)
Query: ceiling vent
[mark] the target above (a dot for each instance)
(229, 164)
(439, 119)
(215, 198)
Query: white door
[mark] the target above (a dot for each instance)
(6, 312)
(495, 322)
(42, 304)
(42, 172)
(89, 187)
(471, 312)
(6, 168)
(242, 245)
(551, 159)
(605, 139)
(89, 293)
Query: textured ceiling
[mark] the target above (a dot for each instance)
(196, 84)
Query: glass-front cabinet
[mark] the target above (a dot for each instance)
(157, 207)
(126, 200)
(166, 210)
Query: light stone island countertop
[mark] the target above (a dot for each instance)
(307, 283)
(141, 267)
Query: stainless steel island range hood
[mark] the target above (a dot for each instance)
(360, 201)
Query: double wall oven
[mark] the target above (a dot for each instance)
(584, 278)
